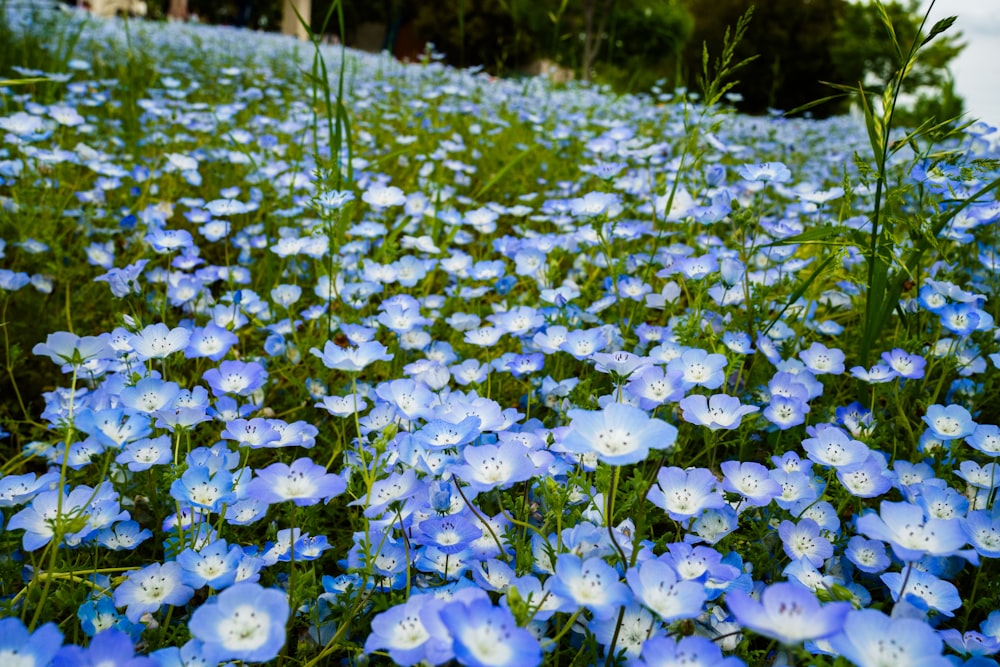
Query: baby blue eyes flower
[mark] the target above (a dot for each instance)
(150, 588)
(684, 494)
(657, 586)
(719, 411)
(65, 348)
(303, 482)
(590, 583)
(910, 533)
(949, 422)
(28, 648)
(618, 435)
(351, 359)
(788, 612)
(245, 622)
(872, 639)
(488, 636)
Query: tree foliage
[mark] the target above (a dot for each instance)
(801, 44)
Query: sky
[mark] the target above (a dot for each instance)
(977, 68)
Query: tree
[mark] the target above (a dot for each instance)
(863, 45)
(793, 42)
(800, 44)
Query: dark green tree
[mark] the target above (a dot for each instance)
(862, 45)
(793, 41)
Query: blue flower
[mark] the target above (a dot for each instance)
(933, 592)
(245, 622)
(684, 494)
(411, 632)
(148, 589)
(591, 583)
(788, 612)
(303, 482)
(949, 422)
(618, 435)
(719, 411)
(910, 533)
(657, 586)
(690, 651)
(488, 636)
(20, 647)
(111, 648)
(872, 639)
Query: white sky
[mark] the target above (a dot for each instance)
(977, 68)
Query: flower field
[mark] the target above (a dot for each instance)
(313, 357)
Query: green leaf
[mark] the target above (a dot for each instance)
(938, 28)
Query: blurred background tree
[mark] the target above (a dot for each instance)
(634, 44)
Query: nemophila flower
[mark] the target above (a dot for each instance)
(149, 395)
(111, 648)
(20, 489)
(486, 467)
(487, 636)
(157, 341)
(235, 377)
(620, 365)
(934, 593)
(21, 648)
(867, 555)
(303, 482)
(212, 565)
(786, 412)
(804, 540)
(872, 639)
(690, 651)
(906, 365)
(254, 433)
(788, 612)
(590, 583)
(983, 530)
(244, 622)
(193, 653)
(582, 343)
(699, 368)
(655, 386)
(684, 494)
(877, 374)
(210, 341)
(712, 525)
(910, 533)
(766, 172)
(719, 411)
(352, 359)
(68, 349)
(147, 589)
(450, 534)
(38, 518)
(124, 281)
(960, 318)
(949, 422)
(343, 406)
(636, 626)
(820, 359)
(618, 435)
(204, 488)
(123, 536)
(981, 477)
(657, 586)
(868, 479)
(830, 446)
(411, 632)
(751, 480)
(379, 196)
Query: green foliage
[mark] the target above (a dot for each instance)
(792, 42)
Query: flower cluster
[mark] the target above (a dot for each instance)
(373, 392)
